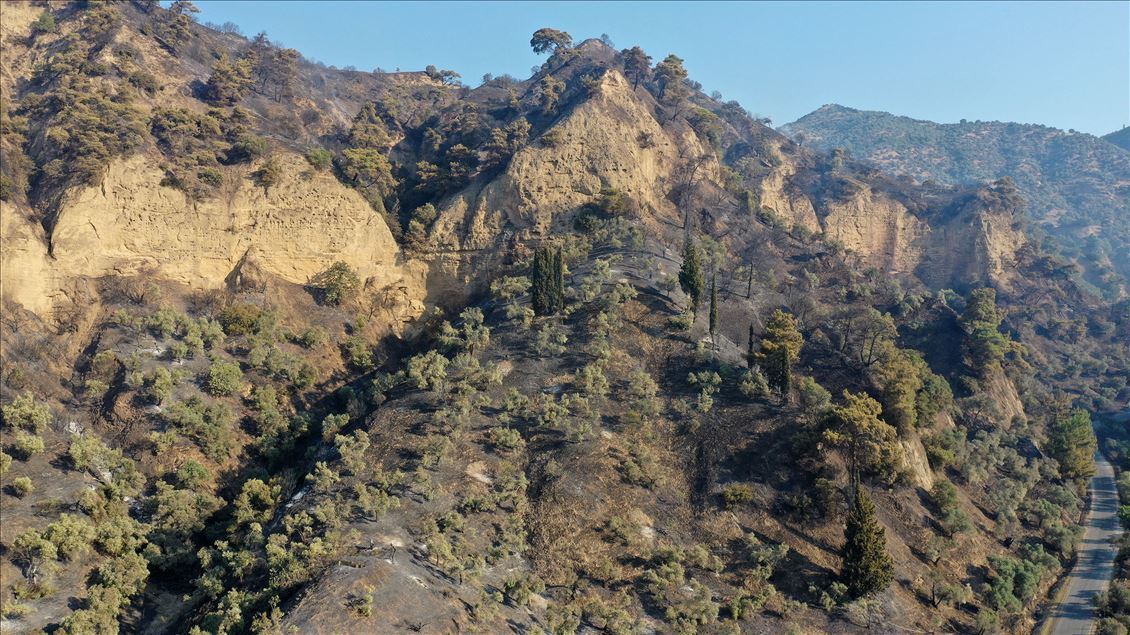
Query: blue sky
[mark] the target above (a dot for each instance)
(1060, 64)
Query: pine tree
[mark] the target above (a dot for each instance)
(691, 279)
(637, 65)
(779, 350)
(867, 568)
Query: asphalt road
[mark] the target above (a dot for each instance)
(1095, 567)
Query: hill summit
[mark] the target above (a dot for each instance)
(1074, 183)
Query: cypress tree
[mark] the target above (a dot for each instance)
(713, 308)
(866, 566)
(548, 287)
(691, 278)
(558, 281)
(749, 353)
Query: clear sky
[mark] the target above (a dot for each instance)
(1060, 64)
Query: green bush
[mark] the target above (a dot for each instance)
(269, 174)
(359, 353)
(45, 23)
(736, 495)
(159, 385)
(71, 535)
(338, 284)
(311, 337)
(950, 515)
(506, 438)
(210, 425)
(320, 158)
(26, 413)
(224, 378)
(25, 445)
(240, 319)
(192, 475)
(22, 486)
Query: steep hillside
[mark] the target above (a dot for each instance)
(1075, 184)
(1120, 138)
(584, 352)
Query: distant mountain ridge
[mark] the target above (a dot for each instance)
(1120, 138)
(1077, 185)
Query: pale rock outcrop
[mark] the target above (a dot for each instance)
(129, 224)
(917, 463)
(26, 273)
(600, 146)
(774, 193)
(877, 228)
(979, 246)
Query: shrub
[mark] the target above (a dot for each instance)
(5, 462)
(507, 288)
(592, 381)
(269, 174)
(951, 517)
(550, 340)
(506, 438)
(22, 486)
(144, 81)
(320, 158)
(737, 495)
(224, 378)
(71, 535)
(26, 445)
(88, 452)
(428, 371)
(246, 148)
(338, 284)
(25, 413)
(210, 425)
(682, 321)
(358, 353)
(45, 23)
(159, 385)
(552, 138)
(708, 382)
(240, 319)
(754, 385)
(192, 475)
(311, 337)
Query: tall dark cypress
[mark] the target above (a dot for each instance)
(690, 274)
(867, 568)
(713, 308)
(749, 352)
(548, 285)
(558, 281)
(542, 282)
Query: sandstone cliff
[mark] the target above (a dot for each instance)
(129, 224)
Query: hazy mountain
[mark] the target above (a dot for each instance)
(1120, 138)
(1076, 184)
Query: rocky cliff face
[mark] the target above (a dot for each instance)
(610, 140)
(130, 224)
(1074, 184)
